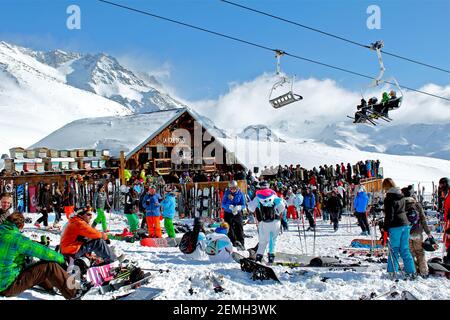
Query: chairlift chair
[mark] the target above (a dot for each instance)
(278, 101)
(392, 104)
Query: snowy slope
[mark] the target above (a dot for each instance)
(408, 139)
(34, 100)
(315, 285)
(403, 169)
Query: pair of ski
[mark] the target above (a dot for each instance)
(392, 294)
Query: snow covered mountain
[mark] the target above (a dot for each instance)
(42, 91)
(35, 99)
(430, 140)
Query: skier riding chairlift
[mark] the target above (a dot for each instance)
(389, 101)
(286, 98)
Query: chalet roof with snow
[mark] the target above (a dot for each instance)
(119, 133)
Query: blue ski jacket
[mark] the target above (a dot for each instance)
(151, 205)
(168, 206)
(238, 200)
(361, 202)
(309, 201)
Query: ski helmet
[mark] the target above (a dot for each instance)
(430, 244)
(263, 185)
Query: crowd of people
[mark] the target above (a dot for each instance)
(271, 200)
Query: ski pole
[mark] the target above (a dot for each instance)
(299, 235)
(304, 232)
(157, 270)
(314, 240)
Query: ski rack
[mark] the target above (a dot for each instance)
(286, 98)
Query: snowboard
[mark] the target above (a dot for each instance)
(258, 270)
(205, 202)
(20, 194)
(366, 243)
(160, 242)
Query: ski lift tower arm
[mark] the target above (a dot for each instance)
(377, 47)
(278, 54)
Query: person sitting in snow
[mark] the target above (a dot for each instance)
(15, 276)
(218, 246)
(79, 238)
(5, 206)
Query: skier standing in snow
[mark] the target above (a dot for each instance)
(309, 203)
(360, 204)
(152, 207)
(57, 207)
(45, 205)
(233, 203)
(101, 204)
(5, 206)
(268, 208)
(15, 277)
(334, 206)
(418, 222)
(131, 202)
(398, 227)
(168, 206)
(444, 186)
(291, 200)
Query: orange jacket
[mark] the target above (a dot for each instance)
(75, 228)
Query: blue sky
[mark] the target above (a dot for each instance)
(202, 66)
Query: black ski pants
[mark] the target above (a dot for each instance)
(99, 247)
(334, 217)
(236, 231)
(309, 215)
(362, 221)
(44, 218)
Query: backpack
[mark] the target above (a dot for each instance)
(188, 242)
(266, 214)
(413, 217)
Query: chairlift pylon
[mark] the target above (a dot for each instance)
(278, 101)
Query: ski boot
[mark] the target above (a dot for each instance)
(271, 258)
(259, 258)
(85, 286)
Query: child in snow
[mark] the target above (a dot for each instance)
(218, 245)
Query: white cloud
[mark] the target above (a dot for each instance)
(324, 102)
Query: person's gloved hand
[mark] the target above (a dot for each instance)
(384, 238)
(108, 241)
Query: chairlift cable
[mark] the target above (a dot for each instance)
(262, 46)
(333, 35)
